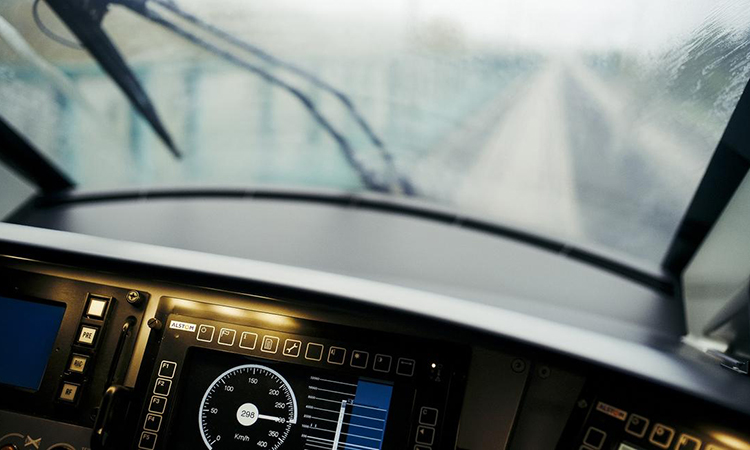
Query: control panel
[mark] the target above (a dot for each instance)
(633, 417)
(247, 378)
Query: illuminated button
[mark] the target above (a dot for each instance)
(425, 435)
(152, 423)
(167, 369)
(226, 336)
(157, 405)
(270, 344)
(359, 359)
(248, 340)
(405, 367)
(382, 363)
(314, 351)
(292, 348)
(97, 307)
(637, 425)
(69, 392)
(595, 438)
(205, 333)
(87, 335)
(687, 442)
(336, 355)
(147, 441)
(661, 436)
(428, 416)
(78, 363)
(162, 386)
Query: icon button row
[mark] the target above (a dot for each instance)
(292, 348)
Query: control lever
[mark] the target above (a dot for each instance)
(111, 417)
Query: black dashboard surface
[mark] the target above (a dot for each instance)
(417, 253)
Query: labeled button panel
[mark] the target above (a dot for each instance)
(595, 438)
(687, 442)
(162, 386)
(153, 423)
(292, 348)
(157, 405)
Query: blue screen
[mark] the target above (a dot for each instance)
(369, 415)
(27, 334)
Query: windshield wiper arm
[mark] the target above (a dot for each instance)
(84, 19)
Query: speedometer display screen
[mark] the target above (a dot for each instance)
(241, 402)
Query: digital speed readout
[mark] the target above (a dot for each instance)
(247, 407)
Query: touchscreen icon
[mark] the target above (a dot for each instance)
(292, 347)
(270, 344)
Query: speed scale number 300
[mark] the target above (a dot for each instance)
(248, 406)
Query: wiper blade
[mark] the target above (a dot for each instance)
(402, 184)
(84, 19)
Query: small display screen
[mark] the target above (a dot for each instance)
(28, 331)
(236, 402)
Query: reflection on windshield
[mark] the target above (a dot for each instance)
(586, 121)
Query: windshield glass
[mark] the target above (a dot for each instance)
(587, 121)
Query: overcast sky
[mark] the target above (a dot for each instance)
(575, 24)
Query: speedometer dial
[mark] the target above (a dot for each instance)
(247, 407)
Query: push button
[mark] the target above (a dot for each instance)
(687, 442)
(167, 369)
(382, 363)
(147, 441)
(595, 438)
(314, 351)
(97, 307)
(270, 344)
(425, 435)
(405, 367)
(152, 423)
(292, 348)
(162, 386)
(69, 392)
(78, 363)
(157, 405)
(87, 335)
(205, 333)
(336, 355)
(661, 436)
(359, 359)
(428, 416)
(226, 336)
(637, 425)
(248, 340)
